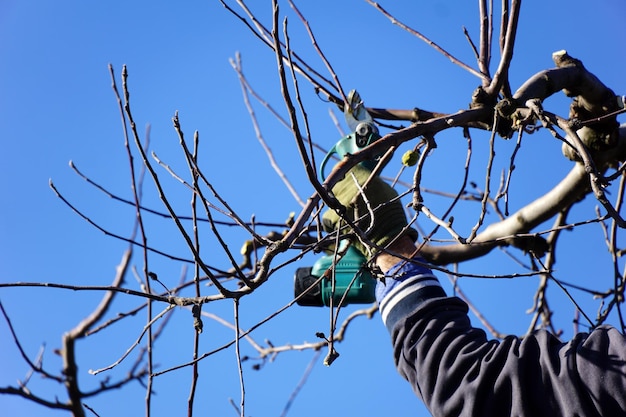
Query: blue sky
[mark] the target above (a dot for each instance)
(57, 105)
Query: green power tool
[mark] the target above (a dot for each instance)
(349, 279)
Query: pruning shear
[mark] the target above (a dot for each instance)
(364, 132)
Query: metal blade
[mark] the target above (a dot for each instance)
(355, 111)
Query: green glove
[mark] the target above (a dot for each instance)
(389, 217)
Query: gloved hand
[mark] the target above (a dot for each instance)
(389, 217)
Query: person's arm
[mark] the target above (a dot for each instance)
(451, 365)
(457, 371)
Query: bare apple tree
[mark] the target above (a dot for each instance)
(449, 236)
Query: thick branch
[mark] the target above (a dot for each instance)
(413, 115)
(572, 77)
(70, 368)
(572, 188)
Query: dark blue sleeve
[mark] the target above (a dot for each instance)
(457, 371)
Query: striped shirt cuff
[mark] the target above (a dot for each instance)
(406, 286)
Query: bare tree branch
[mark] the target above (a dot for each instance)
(428, 41)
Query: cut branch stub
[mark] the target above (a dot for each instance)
(592, 100)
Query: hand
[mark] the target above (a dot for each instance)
(389, 217)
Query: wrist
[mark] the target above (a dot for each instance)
(402, 249)
(408, 282)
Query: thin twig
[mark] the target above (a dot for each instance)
(329, 67)
(160, 213)
(295, 129)
(487, 191)
(485, 41)
(324, 85)
(294, 78)
(236, 64)
(126, 113)
(135, 344)
(196, 279)
(505, 189)
(428, 41)
(223, 291)
(16, 340)
(501, 76)
(193, 167)
(441, 223)
(238, 356)
(303, 380)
